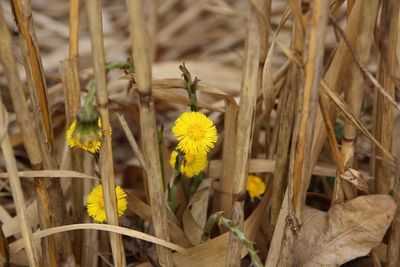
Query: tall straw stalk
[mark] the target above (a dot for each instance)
(106, 161)
(141, 52)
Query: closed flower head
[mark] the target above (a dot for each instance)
(192, 165)
(95, 203)
(255, 186)
(85, 132)
(195, 132)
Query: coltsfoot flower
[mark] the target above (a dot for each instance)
(195, 132)
(192, 165)
(95, 203)
(255, 186)
(85, 132)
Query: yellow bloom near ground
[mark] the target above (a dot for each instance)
(95, 203)
(195, 132)
(192, 165)
(85, 135)
(255, 186)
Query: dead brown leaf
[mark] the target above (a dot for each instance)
(347, 231)
(194, 214)
(355, 178)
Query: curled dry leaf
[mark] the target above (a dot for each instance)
(194, 214)
(347, 231)
(356, 178)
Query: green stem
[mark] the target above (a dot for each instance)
(190, 87)
(195, 182)
(218, 218)
(172, 192)
(125, 65)
(176, 180)
(160, 151)
(88, 112)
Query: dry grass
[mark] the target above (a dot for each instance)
(300, 92)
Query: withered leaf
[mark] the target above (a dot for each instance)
(356, 178)
(195, 213)
(347, 231)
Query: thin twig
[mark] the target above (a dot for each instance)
(363, 69)
(131, 140)
(338, 195)
(348, 114)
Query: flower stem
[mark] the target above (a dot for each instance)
(160, 137)
(195, 182)
(190, 87)
(88, 112)
(219, 219)
(176, 180)
(124, 65)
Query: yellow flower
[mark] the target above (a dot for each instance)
(85, 134)
(195, 132)
(95, 203)
(192, 165)
(255, 186)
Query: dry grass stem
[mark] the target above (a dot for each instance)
(301, 170)
(286, 125)
(132, 141)
(74, 28)
(16, 188)
(339, 190)
(336, 76)
(106, 161)
(303, 137)
(142, 60)
(71, 84)
(48, 191)
(354, 120)
(228, 157)
(245, 120)
(393, 258)
(387, 70)
(34, 69)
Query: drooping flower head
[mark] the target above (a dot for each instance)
(95, 203)
(85, 131)
(255, 186)
(85, 134)
(195, 132)
(192, 164)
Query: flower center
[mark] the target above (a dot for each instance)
(189, 158)
(252, 187)
(196, 131)
(100, 202)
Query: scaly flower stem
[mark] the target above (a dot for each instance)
(219, 219)
(195, 182)
(160, 137)
(88, 111)
(88, 108)
(176, 180)
(124, 65)
(190, 87)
